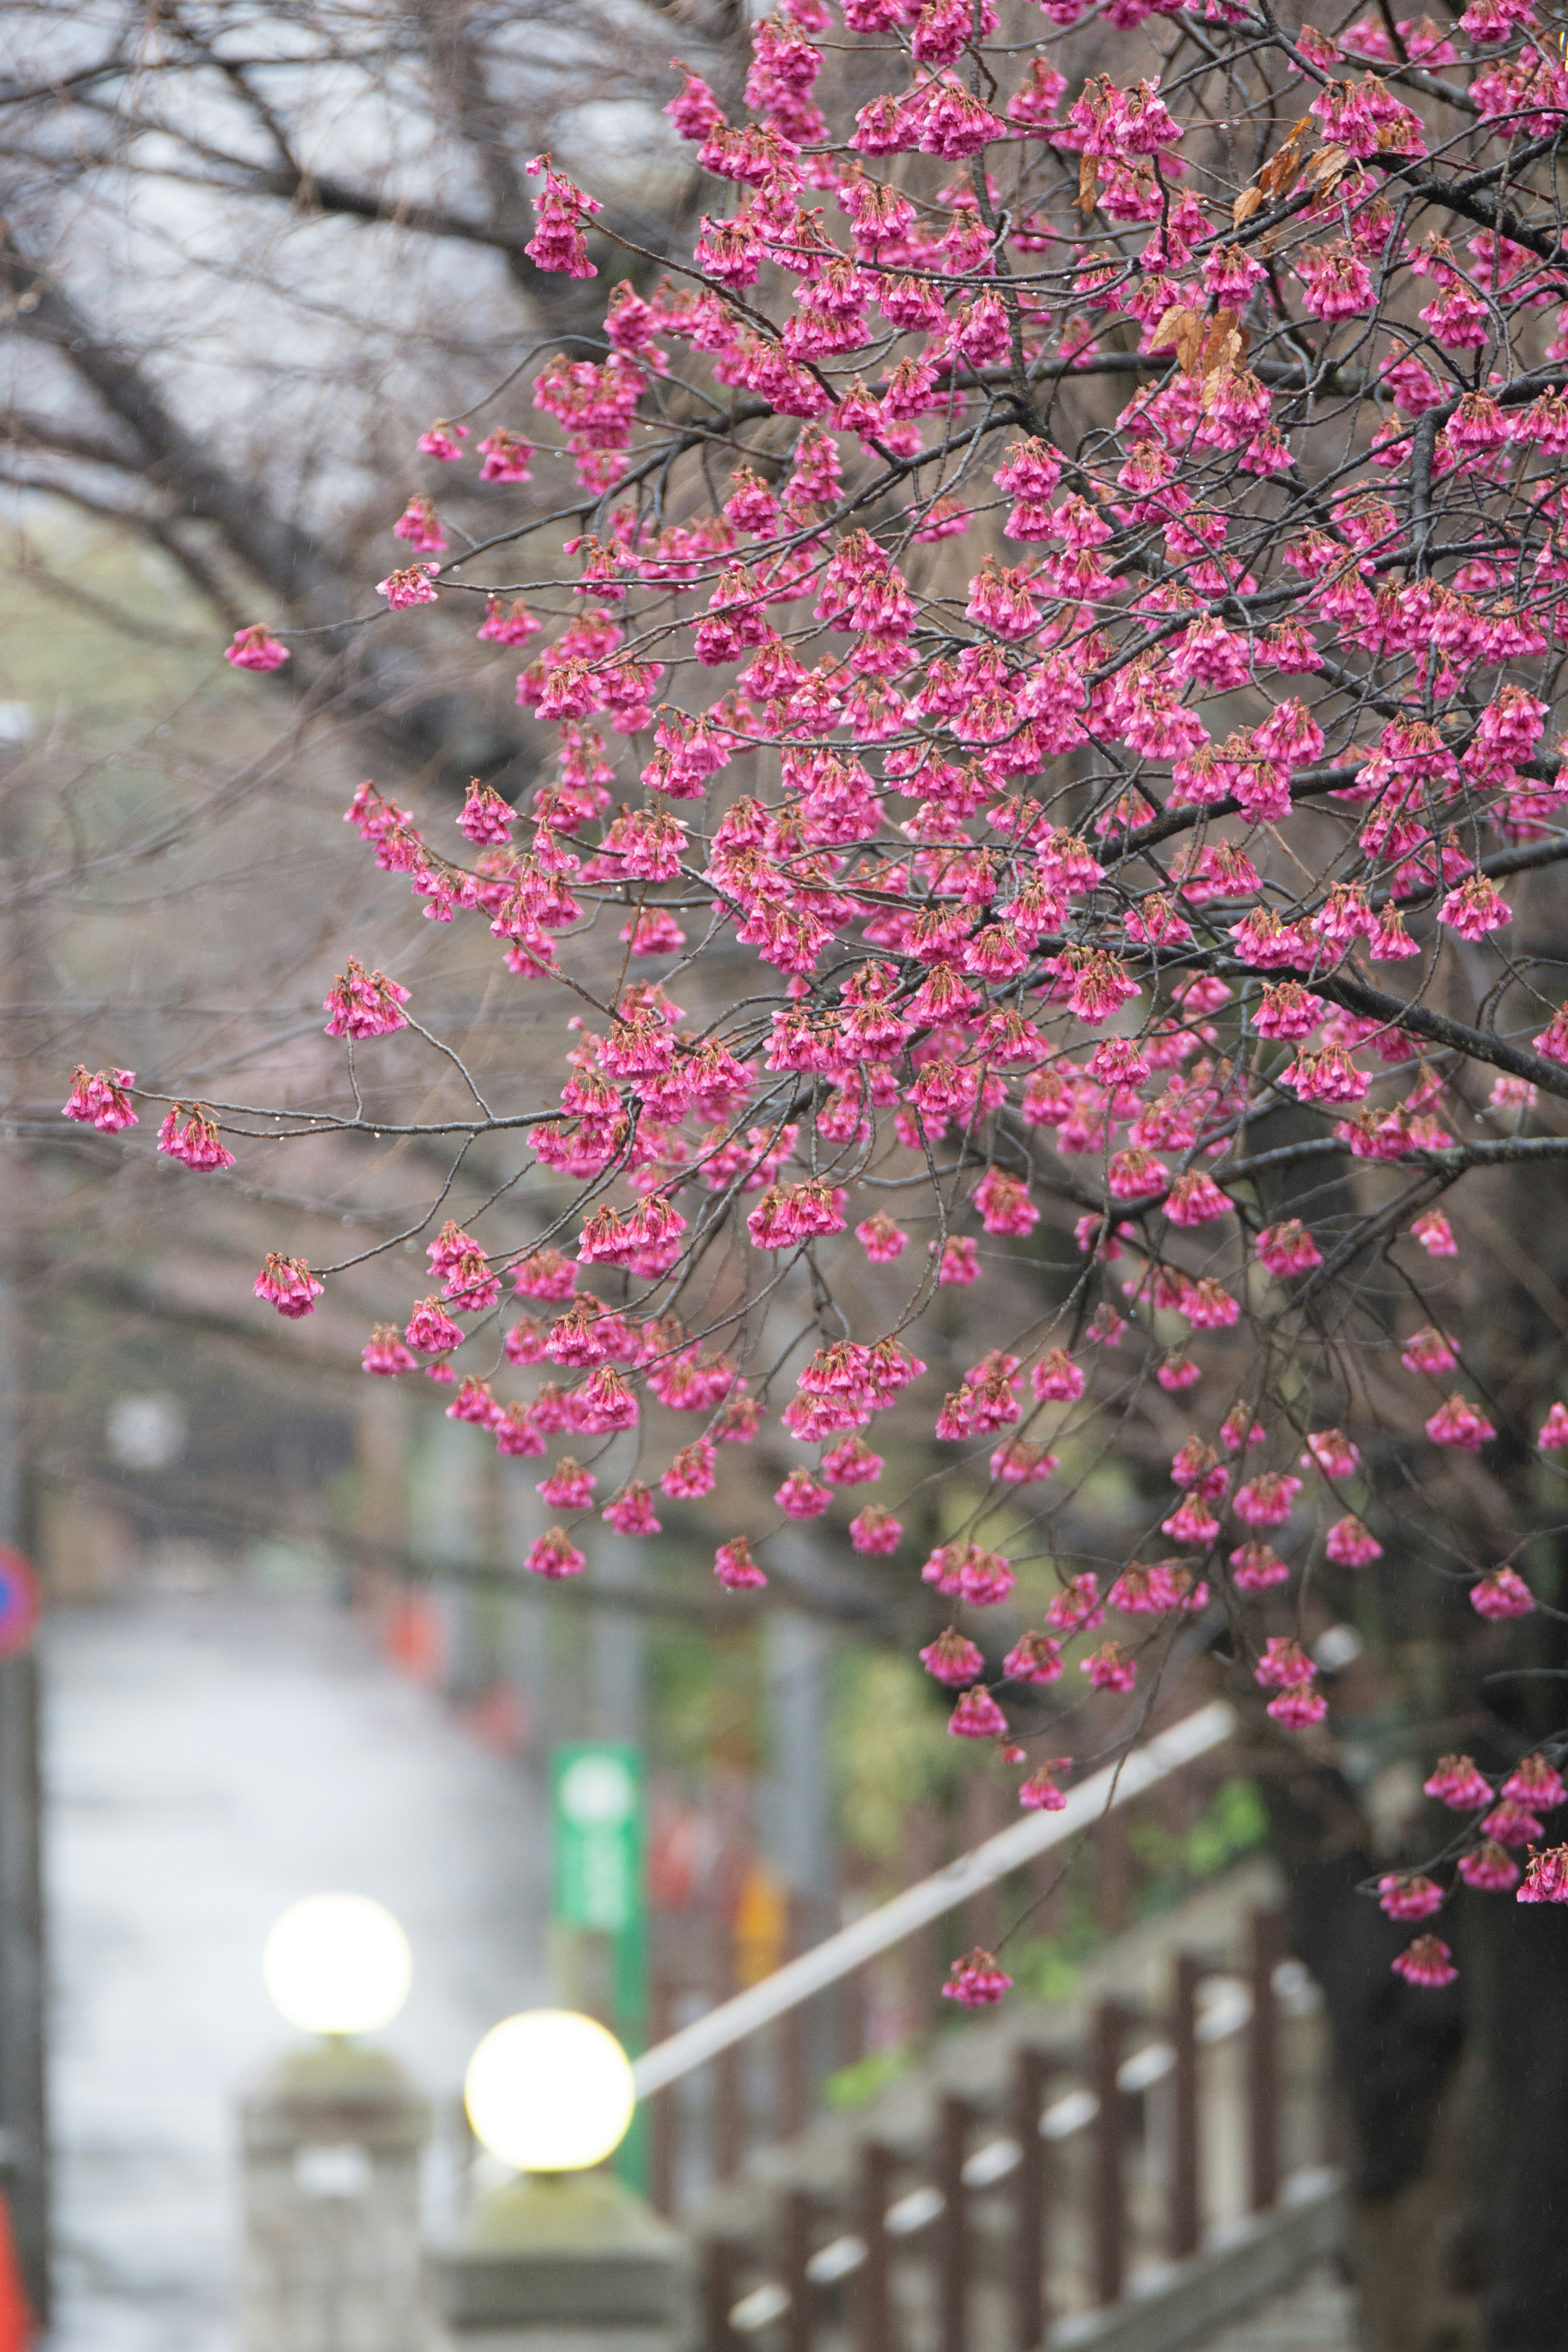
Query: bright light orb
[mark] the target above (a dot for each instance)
(337, 1964)
(550, 2091)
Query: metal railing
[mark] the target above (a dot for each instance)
(1105, 2173)
(838, 1955)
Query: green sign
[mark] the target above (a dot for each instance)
(597, 1905)
(596, 1809)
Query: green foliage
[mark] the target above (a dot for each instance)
(891, 1746)
(1040, 1967)
(857, 2085)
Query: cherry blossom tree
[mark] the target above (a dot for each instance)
(1043, 636)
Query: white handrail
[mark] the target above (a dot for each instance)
(798, 1979)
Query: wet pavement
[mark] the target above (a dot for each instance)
(211, 1757)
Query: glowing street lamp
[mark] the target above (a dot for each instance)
(332, 2136)
(550, 2091)
(337, 1964)
(560, 2245)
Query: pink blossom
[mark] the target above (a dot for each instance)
(1476, 908)
(507, 624)
(1288, 1249)
(364, 1004)
(1109, 1668)
(1410, 1896)
(255, 649)
(976, 1982)
(1349, 1545)
(1298, 1707)
(419, 526)
(692, 1473)
(101, 1099)
(1536, 1783)
(1427, 1962)
(1033, 1658)
(506, 456)
(545, 1273)
(1056, 1379)
(195, 1144)
(966, 1571)
(1078, 1609)
(1267, 1501)
(554, 1555)
(1434, 1233)
(441, 440)
(1459, 1424)
(851, 1464)
(1283, 1666)
(1455, 1783)
(384, 1352)
(977, 1716)
(568, 1487)
(1489, 1868)
(1022, 1463)
(1333, 1453)
(288, 1284)
(1553, 1433)
(801, 1496)
(1511, 1823)
(474, 1402)
(515, 1434)
(1040, 1793)
(960, 1262)
(414, 585)
(1257, 1567)
(630, 1512)
(875, 1530)
(881, 1238)
(1502, 1593)
(1191, 1523)
(560, 212)
(1428, 1351)
(1546, 1879)
(734, 1566)
(953, 1658)
(431, 1329)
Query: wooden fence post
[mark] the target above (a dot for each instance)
(1185, 2215)
(873, 2330)
(1263, 2062)
(952, 2227)
(1108, 2181)
(794, 2214)
(718, 2262)
(1029, 2215)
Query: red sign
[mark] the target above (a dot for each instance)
(20, 1604)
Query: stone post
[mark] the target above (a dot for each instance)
(565, 2262)
(330, 2140)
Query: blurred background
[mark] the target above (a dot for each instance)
(248, 253)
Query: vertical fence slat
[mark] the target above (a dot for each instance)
(873, 2296)
(718, 2264)
(728, 2112)
(952, 2227)
(1263, 2062)
(1186, 2208)
(794, 2250)
(1108, 2220)
(1029, 2213)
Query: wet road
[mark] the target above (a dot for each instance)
(210, 1759)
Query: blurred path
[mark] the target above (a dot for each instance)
(210, 1759)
